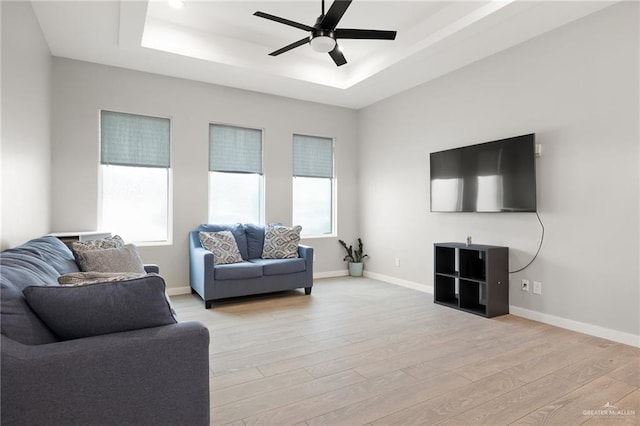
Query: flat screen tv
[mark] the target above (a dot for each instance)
(498, 176)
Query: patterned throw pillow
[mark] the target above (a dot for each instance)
(223, 246)
(281, 242)
(83, 278)
(105, 243)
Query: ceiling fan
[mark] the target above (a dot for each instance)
(323, 35)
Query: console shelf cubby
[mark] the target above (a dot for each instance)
(472, 278)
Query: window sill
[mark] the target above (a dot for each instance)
(152, 243)
(318, 237)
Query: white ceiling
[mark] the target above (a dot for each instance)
(221, 42)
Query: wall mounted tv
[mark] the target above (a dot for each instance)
(498, 176)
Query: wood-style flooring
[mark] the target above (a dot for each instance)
(363, 352)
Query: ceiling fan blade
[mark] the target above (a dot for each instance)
(290, 46)
(364, 34)
(334, 14)
(283, 21)
(337, 56)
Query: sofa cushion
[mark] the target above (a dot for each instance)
(22, 269)
(18, 321)
(103, 308)
(37, 262)
(237, 271)
(238, 231)
(255, 240)
(49, 249)
(123, 259)
(280, 266)
(223, 245)
(281, 242)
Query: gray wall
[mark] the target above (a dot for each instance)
(26, 142)
(577, 89)
(81, 89)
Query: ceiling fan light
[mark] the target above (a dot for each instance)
(323, 44)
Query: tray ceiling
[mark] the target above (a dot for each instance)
(221, 42)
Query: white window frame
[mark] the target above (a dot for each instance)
(262, 187)
(334, 184)
(169, 183)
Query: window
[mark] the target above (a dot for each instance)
(135, 176)
(313, 184)
(235, 175)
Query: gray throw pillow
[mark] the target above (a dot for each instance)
(223, 246)
(123, 259)
(281, 242)
(74, 312)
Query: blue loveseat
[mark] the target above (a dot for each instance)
(158, 375)
(252, 276)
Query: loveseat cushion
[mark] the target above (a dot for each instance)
(103, 308)
(280, 266)
(237, 271)
(238, 231)
(255, 240)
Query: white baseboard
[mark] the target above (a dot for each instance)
(177, 291)
(404, 283)
(330, 274)
(580, 327)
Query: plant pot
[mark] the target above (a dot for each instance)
(355, 269)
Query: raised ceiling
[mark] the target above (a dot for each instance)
(221, 42)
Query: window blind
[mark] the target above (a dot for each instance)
(235, 149)
(134, 140)
(312, 156)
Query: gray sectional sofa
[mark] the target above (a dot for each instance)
(254, 275)
(156, 375)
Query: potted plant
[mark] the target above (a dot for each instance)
(354, 257)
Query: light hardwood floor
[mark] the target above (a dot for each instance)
(363, 352)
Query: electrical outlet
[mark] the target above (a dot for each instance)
(398, 262)
(525, 285)
(537, 287)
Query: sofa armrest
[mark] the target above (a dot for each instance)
(154, 376)
(201, 263)
(306, 252)
(151, 268)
